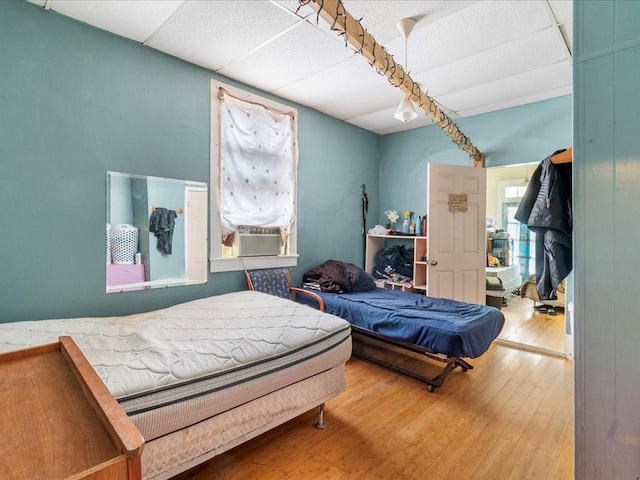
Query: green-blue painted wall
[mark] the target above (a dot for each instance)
(76, 102)
(512, 136)
(606, 195)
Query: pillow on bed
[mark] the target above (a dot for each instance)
(340, 277)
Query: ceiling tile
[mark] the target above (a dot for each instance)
(300, 52)
(379, 18)
(562, 10)
(347, 78)
(546, 78)
(482, 26)
(383, 120)
(472, 56)
(214, 33)
(135, 20)
(514, 102)
(401, 127)
(295, 7)
(367, 101)
(541, 48)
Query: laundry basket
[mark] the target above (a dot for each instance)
(124, 243)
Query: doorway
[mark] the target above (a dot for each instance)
(529, 324)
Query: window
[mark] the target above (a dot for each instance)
(510, 192)
(515, 192)
(254, 156)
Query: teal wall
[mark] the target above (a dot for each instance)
(523, 134)
(76, 102)
(606, 195)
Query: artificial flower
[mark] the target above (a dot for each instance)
(392, 215)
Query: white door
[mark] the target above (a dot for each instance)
(456, 240)
(196, 236)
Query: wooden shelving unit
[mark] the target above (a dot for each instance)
(419, 281)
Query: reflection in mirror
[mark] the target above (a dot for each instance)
(156, 232)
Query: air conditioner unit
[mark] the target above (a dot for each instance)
(258, 244)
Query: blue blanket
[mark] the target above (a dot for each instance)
(449, 327)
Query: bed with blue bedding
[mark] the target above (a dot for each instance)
(440, 329)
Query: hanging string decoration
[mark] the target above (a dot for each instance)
(363, 43)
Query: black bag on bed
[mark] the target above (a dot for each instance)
(395, 259)
(339, 277)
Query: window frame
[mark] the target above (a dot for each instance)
(218, 263)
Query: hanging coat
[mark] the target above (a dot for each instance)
(161, 224)
(546, 210)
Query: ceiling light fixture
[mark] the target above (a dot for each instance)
(405, 111)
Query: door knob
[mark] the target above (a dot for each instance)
(433, 262)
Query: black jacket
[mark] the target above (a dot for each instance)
(546, 210)
(161, 224)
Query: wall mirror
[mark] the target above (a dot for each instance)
(156, 232)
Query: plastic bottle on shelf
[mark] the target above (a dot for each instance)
(405, 225)
(419, 226)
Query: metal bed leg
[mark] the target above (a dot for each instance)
(320, 423)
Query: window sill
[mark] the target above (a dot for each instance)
(251, 263)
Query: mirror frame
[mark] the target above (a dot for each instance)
(176, 254)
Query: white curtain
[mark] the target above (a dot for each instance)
(257, 166)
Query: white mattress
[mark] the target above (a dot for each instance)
(177, 366)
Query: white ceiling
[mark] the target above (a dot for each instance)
(471, 57)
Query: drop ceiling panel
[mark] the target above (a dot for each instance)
(295, 7)
(515, 102)
(541, 48)
(134, 20)
(383, 119)
(380, 17)
(301, 52)
(367, 101)
(471, 56)
(401, 127)
(346, 78)
(482, 26)
(546, 78)
(562, 10)
(214, 33)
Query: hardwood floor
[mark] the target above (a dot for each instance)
(511, 417)
(528, 326)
